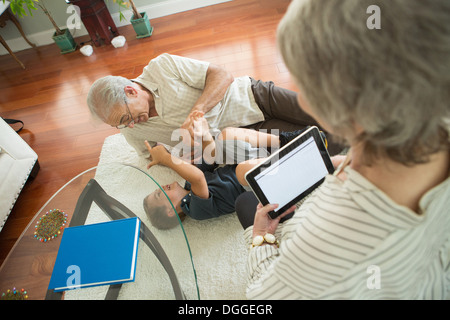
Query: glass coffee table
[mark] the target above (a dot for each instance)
(164, 269)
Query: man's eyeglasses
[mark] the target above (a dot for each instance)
(125, 125)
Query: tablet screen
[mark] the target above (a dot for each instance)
(293, 172)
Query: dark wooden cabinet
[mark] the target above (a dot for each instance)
(97, 20)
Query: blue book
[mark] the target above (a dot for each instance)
(96, 254)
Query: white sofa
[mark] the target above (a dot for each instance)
(17, 162)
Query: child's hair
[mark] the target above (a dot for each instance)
(158, 215)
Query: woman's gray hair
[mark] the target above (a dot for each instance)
(107, 93)
(394, 82)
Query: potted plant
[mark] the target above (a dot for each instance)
(62, 37)
(139, 20)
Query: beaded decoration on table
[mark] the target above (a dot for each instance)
(14, 295)
(50, 225)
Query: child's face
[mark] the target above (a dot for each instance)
(174, 191)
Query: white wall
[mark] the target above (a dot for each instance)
(39, 29)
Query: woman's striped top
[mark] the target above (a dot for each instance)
(349, 240)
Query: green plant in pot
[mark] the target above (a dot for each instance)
(139, 20)
(62, 37)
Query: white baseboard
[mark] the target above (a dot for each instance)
(163, 9)
(153, 11)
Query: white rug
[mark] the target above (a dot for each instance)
(218, 250)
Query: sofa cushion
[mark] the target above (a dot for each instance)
(17, 160)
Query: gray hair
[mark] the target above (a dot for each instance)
(105, 94)
(394, 82)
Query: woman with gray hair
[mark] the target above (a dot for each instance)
(379, 228)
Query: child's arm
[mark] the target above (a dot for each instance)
(186, 170)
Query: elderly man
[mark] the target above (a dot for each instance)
(158, 102)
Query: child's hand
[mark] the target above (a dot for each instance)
(157, 153)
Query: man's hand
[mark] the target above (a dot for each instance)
(217, 83)
(200, 128)
(194, 126)
(196, 135)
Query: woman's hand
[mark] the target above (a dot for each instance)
(337, 160)
(264, 223)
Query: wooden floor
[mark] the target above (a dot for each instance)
(50, 95)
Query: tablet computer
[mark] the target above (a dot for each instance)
(291, 173)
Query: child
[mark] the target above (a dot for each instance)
(210, 191)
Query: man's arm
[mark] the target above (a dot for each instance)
(216, 85)
(186, 170)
